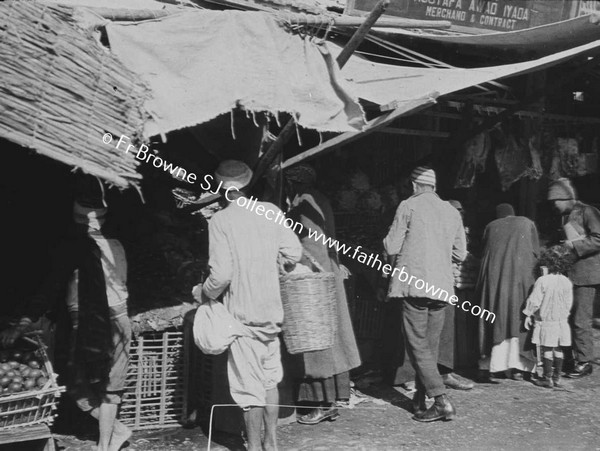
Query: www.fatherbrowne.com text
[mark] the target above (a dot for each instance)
(372, 260)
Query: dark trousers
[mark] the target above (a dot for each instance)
(581, 319)
(423, 322)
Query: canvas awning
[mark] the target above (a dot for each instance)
(385, 84)
(404, 90)
(200, 65)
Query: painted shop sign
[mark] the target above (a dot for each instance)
(504, 15)
(489, 15)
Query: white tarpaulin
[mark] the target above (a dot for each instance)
(385, 84)
(200, 65)
(404, 90)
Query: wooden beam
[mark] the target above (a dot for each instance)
(488, 123)
(521, 113)
(442, 114)
(130, 15)
(478, 100)
(372, 126)
(315, 21)
(412, 132)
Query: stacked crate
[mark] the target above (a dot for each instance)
(154, 392)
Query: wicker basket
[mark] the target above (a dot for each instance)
(34, 406)
(153, 395)
(309, 308)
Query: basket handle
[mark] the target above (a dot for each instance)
(313, 260)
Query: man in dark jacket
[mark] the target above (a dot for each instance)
(582, 230)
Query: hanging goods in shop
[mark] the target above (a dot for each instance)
(309, 310)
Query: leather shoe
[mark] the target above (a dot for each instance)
(440, 410)
(581, 370)
(319, 414)
(484, 377)
(418, 403)
(544, 382)
(451, 382)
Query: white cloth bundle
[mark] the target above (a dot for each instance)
(215, 328)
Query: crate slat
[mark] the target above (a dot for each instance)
(154, 395)
(34, 406)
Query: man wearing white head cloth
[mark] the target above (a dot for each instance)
(427, 235)
(244, 249)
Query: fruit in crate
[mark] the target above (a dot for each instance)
(21, 372)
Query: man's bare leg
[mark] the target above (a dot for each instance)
(271, 415)
(254, 420)
(113, 433)
(107, 415)
(120, 435)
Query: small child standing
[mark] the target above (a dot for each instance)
(550, 304)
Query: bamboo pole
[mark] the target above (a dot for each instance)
(129, 15)
(311, 20)
(353, 21)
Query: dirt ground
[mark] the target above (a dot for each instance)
(505, 416)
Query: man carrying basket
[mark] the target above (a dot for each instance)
(244, 249)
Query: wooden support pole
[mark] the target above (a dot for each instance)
(361, 33)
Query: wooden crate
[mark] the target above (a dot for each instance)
(34, 406)
(154, 389)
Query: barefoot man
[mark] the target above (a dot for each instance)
(246, 240)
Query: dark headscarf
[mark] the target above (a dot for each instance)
(504, 210)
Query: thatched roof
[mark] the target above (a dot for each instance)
(61, 91)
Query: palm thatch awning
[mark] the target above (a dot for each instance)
(61, 91)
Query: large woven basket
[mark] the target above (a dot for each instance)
(309, 309)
